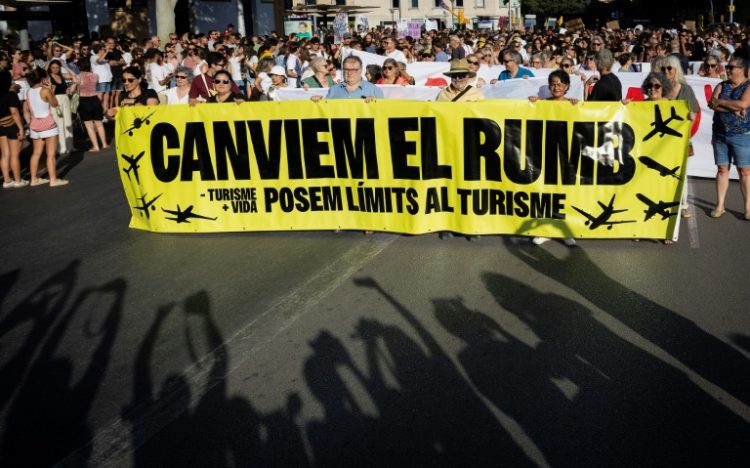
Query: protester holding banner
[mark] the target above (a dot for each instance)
(278, 81)
(474, 63)
(202, 87)
(223, 87)
(136, 93)
(559, 83)
(731, 132)
(712, 68)
(180, 94)
(352, 87)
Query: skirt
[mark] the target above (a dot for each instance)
(90, 108)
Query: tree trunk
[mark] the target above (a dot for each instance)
(165, 19)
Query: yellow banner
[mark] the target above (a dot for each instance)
(593, 170)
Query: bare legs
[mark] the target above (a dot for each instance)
(94, 128)
(48, 146)
(745, 187)
(722, 185)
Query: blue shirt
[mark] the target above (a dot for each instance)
(505, 75)
(365, 89)
(442, 57)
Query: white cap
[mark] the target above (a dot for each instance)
(277, 70)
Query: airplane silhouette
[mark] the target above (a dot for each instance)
(660, 208)
(662, 170)
(661, 126)
(181, 216)
(603, 219)
(138, 123)
(145, 205)
(133, 161)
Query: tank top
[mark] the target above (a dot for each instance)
(60, 88)
(729, 123)
(39, 108)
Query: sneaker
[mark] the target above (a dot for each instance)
(445, 235)
(39, 181)
(23, 183)
(570, 242)
(59, 182)
(685, 213)
(9, 184)
(473, 238)
(540, 240)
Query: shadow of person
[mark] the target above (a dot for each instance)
(166, 431)
(429, 416)
(702, 352)
(743, 341)
(39, 310)
(622, 406)
(7, 282)
(49, 418)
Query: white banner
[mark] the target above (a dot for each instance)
(700, 165)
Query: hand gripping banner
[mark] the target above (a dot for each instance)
(589, 170)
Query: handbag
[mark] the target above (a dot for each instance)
(74, 101)
(42, 124)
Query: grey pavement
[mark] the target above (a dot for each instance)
(126, 348)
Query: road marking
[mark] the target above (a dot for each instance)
(692, 221)
(114, 442)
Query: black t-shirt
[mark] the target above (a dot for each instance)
(8, 99)
(114, 55)
(608, 88)
(232, 97)
(143, 98)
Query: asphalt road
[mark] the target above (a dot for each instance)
(126, 348)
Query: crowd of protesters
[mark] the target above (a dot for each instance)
(91, 78)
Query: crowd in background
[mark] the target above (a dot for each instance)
(89, 78)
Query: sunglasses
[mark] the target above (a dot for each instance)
(566, 65)
(507, 61)
(732, 67)
(596, 43)
(473, 62)
(655, 86)
(129, 80)
(711, 65)
(589, 58)
(666, 69)
(388, 67)
(459, 76)
(181, 77)
(222, 81)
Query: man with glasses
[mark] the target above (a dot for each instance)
(203, 85)
(352, 87)
(392, 52)
(513, 69)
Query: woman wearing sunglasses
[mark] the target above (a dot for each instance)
(731, 132)
(223, 87)
(711, 68)
(135, 93)
(180, 94)
(392, 74)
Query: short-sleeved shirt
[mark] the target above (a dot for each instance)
(143, 98)
(505, 74)
(363, 90)
(313, 82)
(232, 97)
(202, 83)
(8, 100)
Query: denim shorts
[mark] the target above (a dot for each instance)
(104, 87)
(732, 149)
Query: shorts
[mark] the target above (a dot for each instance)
(116, 84)
(732, 149)
(45, 134)
(10, 133)
(90, 108)
(104, 87)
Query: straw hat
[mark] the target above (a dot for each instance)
(459, 66)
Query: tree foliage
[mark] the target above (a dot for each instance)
(550, 7)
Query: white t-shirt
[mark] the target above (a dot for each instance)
(101, 70)
(397, 55)
(157, 73)
(172, 97)
(291, 65)
(236, 68)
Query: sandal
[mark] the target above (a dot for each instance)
(717, 213)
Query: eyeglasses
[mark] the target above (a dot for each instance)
(711, 65)
(222, 81)
(654, 86)
(459, 76)
(181, 77)
(473, 62)
(388, 67)
(129, 80)
(536, 62)
(566, 65)
(507, 61)
(666, 69)
(732, 67)
(596, 43)
(589, 58)
(353, 70)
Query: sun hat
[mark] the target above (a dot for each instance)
(277, 70)
(459, 66)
